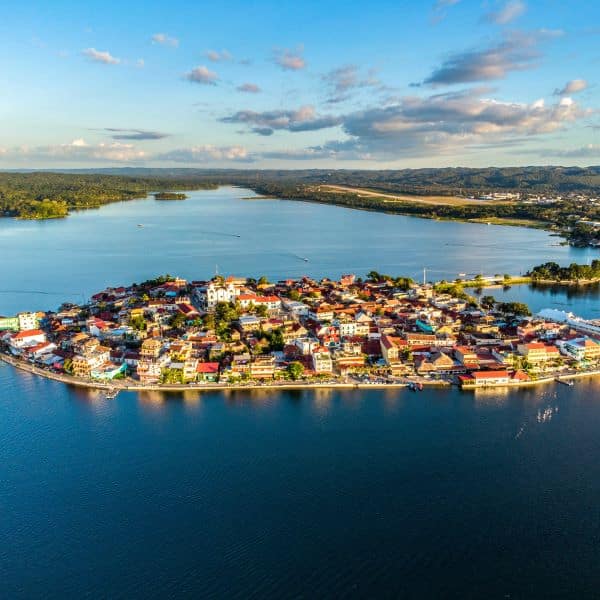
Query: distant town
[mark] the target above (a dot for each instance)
(238, 331)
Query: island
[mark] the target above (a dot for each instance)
(169, 333)
(169, 196)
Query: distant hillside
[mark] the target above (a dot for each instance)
(447, 181)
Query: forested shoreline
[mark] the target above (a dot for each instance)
(42, 195)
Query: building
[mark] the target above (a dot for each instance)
(148, 371)
(26, 339)
(27, 321)
(91, 361)
(207, 372)
(390, 348)
(538, 352)
(150, 348)
(263, 367)
(214, 292)
(321, 360)
(108, 371)
(271, 303)
(581, 349)
(485, 379)
(9, 324)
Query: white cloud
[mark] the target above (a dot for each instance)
(216, 56)
(343, 80)
(206, 153)
(266, 122)
(587, 151)
(202, 75)
(516, 51)
(165, 40)
(508, 13)
(77, 150)
(290, 60)
(438, 125)
(248, 88)
(572, 87)
(103, 57)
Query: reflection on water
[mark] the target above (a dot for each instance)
(267, 493)
(581, 300)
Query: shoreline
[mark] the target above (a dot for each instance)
(121, 385)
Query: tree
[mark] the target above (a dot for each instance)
(263, 280)
(488, 302)
(295, 370)
(177, 320)
(518, 309)
(261, 310)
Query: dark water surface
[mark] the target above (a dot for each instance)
(439, 494)
(299, 494)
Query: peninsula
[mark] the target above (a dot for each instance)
(170, 333)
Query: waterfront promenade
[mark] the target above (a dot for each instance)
(134, 386)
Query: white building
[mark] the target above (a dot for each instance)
(321, 360)
(297, 309)
(211, 294)
(271, 302)
(27, 321)
(26, 339)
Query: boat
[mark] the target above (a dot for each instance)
(111, 394)
(305, 259)
(139, 225)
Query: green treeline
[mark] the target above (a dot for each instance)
(170, 196)
(49, 195)
(552, 271)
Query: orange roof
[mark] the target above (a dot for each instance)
(27, 333)
(207, 367)
(489, 374)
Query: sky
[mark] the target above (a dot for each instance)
(287, 85)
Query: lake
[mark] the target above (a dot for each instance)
(316, 493)
(438, 494)
(69, 259)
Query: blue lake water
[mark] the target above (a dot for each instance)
(438, 494)
(74, 257)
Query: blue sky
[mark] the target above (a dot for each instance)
(299, 85)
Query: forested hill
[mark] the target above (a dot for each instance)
(446, 181)
(44, 195)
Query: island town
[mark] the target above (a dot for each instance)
(170, 333)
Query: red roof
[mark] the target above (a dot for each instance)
(207, 367)
(490, 374)
(27, 333)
